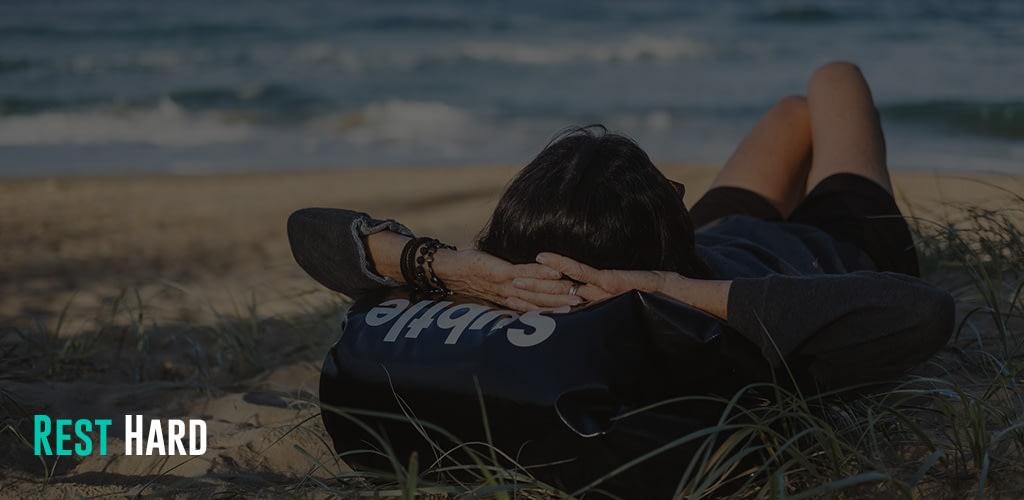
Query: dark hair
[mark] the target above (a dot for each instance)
(596, 197)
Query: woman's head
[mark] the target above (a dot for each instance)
(597, 198)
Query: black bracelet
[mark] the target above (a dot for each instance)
(417, 265)
(432, 280)
(408, 261)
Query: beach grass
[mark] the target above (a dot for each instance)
(953, 428)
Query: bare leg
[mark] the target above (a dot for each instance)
(774, 158)
(846, 131)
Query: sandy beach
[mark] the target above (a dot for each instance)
(78, 242)
(120, 295)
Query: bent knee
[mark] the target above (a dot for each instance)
(793, 106)
(837, 71)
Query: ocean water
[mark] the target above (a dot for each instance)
(121, 86)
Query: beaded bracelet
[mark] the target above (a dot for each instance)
(408, 261)
(434, 283)
(415, 254)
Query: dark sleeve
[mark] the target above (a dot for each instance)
(843, 328)
(328, 243)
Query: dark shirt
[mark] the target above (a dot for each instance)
(796, 294)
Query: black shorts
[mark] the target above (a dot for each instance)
(849, 207)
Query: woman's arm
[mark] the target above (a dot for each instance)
(469, 272)
(352, 253)
(385, 250)
(710, 296)
(843, 328)
(329, 244)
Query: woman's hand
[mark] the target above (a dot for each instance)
(590, 284)
(473, 273)
(710, 296)
(479, 274)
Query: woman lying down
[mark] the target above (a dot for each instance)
(798, 245)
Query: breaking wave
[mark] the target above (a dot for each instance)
(165, 125)
(990, 119)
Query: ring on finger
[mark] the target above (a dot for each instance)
(574, 289)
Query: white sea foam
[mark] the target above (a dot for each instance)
(165, 125)
(520, 52)
(634, 49)
(149, 60)
(657, 121)
(400, 121)
(323, 53)
(533, 53)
